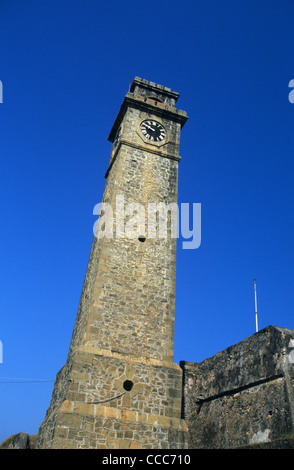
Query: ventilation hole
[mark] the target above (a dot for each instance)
(128, 385)
(141, 238)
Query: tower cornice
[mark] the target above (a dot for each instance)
(148, 105)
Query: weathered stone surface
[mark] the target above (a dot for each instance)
(243, 396)
(21, 440)
(124, 330)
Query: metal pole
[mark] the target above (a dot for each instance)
(256, 320)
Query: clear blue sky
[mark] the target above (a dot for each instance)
(65, 67)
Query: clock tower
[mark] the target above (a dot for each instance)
(120, 387)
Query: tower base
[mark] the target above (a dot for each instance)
(105, 400)
(87, 426)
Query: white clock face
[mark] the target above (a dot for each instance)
(153, 130)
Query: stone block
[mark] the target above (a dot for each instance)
(111, 412)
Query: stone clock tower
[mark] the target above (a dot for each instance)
(120, 388)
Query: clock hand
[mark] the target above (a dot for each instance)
(150, 127)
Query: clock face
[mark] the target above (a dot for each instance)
(153, 130)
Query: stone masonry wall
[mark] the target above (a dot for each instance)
(243, 396)
(85, 426)
(120, 363)
(99, 413)
(134, 294)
